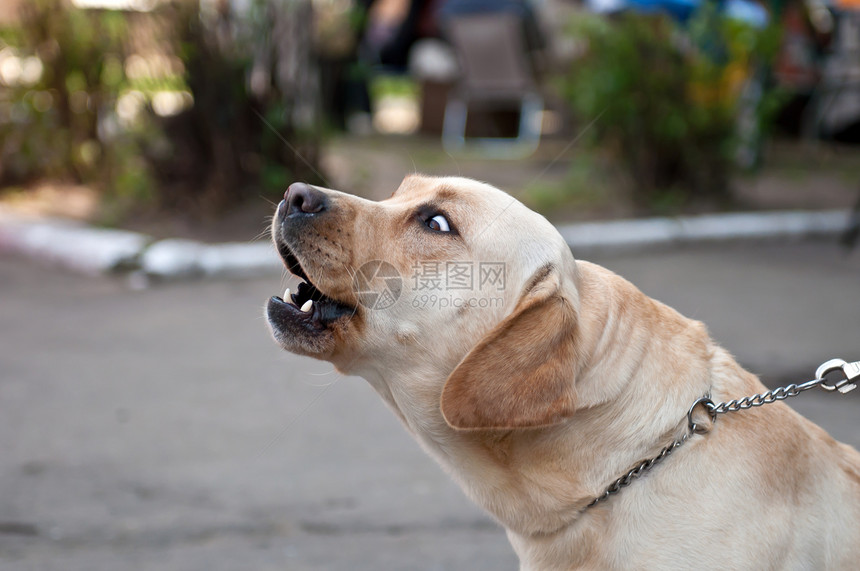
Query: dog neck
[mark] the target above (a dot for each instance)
(538, 481)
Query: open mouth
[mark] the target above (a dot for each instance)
(307, 306)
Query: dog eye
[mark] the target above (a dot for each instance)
(438, 223)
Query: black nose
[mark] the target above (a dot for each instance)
(302, 198)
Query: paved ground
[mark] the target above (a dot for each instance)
(163, 430)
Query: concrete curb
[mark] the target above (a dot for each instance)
(632, 234)
(102, 251)
(173, 258)
(72, 245)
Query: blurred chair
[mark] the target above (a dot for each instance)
(496, 74)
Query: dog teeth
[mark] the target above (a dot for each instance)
(308, 305)
(287, 295)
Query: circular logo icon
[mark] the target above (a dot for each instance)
(377, 285)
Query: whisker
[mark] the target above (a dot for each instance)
(290, 146)
(457, 164)
(264, 233)
(573, 141)
(267, 199)
(289, 425)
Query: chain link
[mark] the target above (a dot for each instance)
(643, 467)
(774, 395)
(851, 372)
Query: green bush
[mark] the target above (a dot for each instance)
(53, 119)
(247, 124)
(254, 126)
(664, 100)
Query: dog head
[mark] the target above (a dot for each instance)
(449, 282)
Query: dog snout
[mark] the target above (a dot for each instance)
(303, 199)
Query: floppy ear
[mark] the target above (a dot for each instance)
(520, 375)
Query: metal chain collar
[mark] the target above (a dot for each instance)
(851, 371)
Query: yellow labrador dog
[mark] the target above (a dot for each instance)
(536, 381)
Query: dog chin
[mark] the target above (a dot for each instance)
(298, 332)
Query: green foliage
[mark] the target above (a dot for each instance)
(583, 187)
(243, 136)
(665, 100)
(393, 86)
(89, 116)
(49, 121)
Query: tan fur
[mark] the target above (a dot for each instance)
(534, 406)
(505, 383)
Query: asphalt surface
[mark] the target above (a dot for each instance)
(163, 430)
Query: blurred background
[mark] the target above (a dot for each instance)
(175, 116)
(152, 424)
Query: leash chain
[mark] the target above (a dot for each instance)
(643, 467)
(844, 386)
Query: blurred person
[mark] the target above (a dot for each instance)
(394, 26)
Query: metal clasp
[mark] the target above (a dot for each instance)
(850, 370)
(712, 411)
